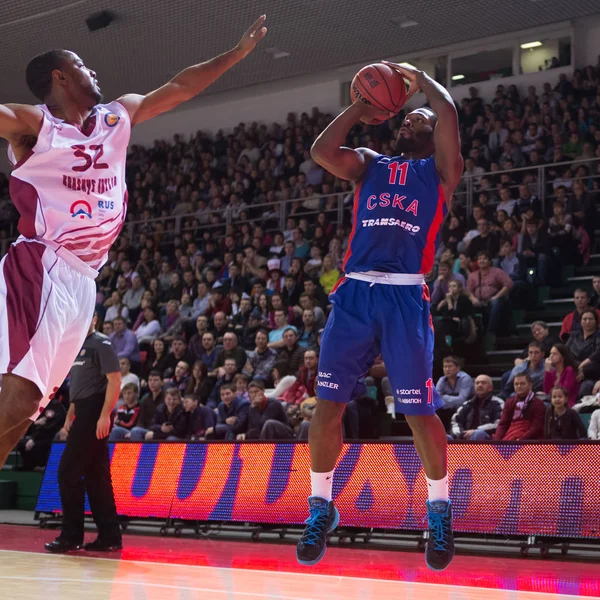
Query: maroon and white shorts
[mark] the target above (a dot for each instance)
(46, 307)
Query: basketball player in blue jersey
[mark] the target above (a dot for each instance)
(382, 303)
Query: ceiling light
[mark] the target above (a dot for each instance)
(403, 22)
(457, 77)
(277, 53)
(531, 45)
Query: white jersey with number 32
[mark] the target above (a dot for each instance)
(70, 190)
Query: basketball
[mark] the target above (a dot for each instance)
(379, 86)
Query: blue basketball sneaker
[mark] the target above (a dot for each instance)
(439, 550)
(324, 518)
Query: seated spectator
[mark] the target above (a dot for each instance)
(478, 418)
(232, 415)
(533, 365)
(329, 275)
(35, 446)
(124, 341)
(507, 203)
(457, 313)
(455, 387)
(282, 380)
(199, 385)
(126, 375)
(229, 372)
(151, 400)
(220, 327)
(276, 335)
(267, 419)
(277, 302)
(181, 377)
(170, 420)
(316, 292)
(584, 345)
(526, 201)
(562, 422)
(572, 322)
(276, 281)
(173, 324)
(487, 241)
(201, 418)
(488, 289)
(208, 352)
(132, 298)
(540, 332)
(179, 352)
(116, 308)
(309, 333)
(523, 414)
(292, 290)
(560, 372)
(263, 359)
(301, 246)
(185, 306)
(127, 414)
(149, 328)
(291, 353)
(306, 302)
(305, 385)
(534, 250)
(442, 282)
(313, 265)
(562, 234)
(231, 349)
(242, 316)
(240, 382)
(200, 305)
(156, 360)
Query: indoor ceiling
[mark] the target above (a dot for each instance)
(151, 40)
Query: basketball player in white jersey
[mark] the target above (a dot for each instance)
(68, 185)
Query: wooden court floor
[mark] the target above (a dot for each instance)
(154, 568)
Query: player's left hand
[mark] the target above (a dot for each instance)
(255, 33)
(411, 74)
(103, 427)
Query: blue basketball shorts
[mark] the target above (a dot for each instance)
(367, 320)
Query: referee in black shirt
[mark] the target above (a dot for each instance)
(84, 466)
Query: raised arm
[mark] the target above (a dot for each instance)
(448, 159)
(329, 148)
(19, 120)
(191, 81)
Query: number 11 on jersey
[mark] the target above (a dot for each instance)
(398, 173)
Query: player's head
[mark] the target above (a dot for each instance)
(416, 133)
(61, 73)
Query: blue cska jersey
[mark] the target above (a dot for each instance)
(398, 210)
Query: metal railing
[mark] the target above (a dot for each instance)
(337, 211)
(466, 195)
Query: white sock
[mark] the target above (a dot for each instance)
(437, 489)
(322, 484)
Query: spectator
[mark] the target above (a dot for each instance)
(220, 326)
(572, 322)
(442, 282)
(507, 204)
(316, 292)
(126, 375)
(487, 241)
(523, 414)
(201, 303)
(157, 361)
(562, 422)
(181, 377)
(562, 234)
(307, 302)
(534, 250)
(533, 365)
(488, 289)
(584, 345)
(540, 333)
(282, 380)
(132, 298)
(308, 337)
(594, 428)
(199, 384)
(148, 405)
(595, 299)
(231, 350)
(35, 447)
(116, 308)
(125, 341)
(219, 302)
(201, 418)
(149, 328)
(329, 274)
(173, 323)
(560, 372)
(266, 418)
(305, 385)
(286, 260)
(478, 418)
(232, 415)
(127, 414)
(229, 372)
(281, 324)
(301, 246)
(179, 352)
(263, 359)
(455, 387)
(291, 353)
(241, 381)
(170, 421)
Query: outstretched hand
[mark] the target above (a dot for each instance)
(410, 74)
(254, 34)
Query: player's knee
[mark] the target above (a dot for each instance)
(328, 412)
(19, 397)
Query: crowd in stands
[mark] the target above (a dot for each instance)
(217, 317)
